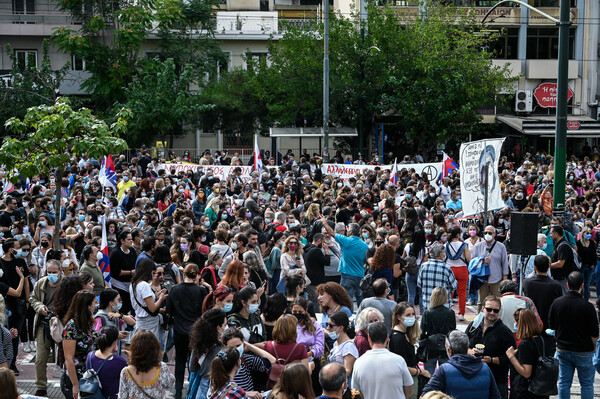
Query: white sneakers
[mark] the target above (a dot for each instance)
(29, 347)
(461, 317)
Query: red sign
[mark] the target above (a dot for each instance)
(546, 95)
(573, 125)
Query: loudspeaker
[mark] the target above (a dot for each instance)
(523, 233)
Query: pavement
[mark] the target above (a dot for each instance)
(26, 366)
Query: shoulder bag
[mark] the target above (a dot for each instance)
(138, 385)
(545, 374)
(90, 386)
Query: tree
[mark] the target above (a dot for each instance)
(160, 99)
(49, 135)
(28, 86)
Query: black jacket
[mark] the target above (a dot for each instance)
(315, 261)
(575, 323)
(542, 290)
(184, 304)
(497, 339)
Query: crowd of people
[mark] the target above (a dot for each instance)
(297, 283)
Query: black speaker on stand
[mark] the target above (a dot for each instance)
(523, 238)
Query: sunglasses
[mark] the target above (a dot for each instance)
(378, 242)
(329, 325)
(489, 310)
(160, 273)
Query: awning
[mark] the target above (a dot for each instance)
(545, 126)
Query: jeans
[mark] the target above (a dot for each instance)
(310, 292)
(587, 278)
(182, 351)
(273, 281)
(411, 286)
(568, 362)
(352, 286)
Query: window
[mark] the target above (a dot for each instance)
(255, 59)
(26, 59)
(223, 64)
(77, 63)
(542, 43)
(23, 6)
(507, 45)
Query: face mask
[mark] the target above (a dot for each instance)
(223, 217)
(267, 220)
(43, 223)
(365, 235)
(207, 223)
(234, 246)
(451, 217)
(253, 308)
(567, 195)
(515, 328)
(118, 307)
(281, 243)
(543, 247)
(66, 263)
(255, 195)
(488, 237)
(427, 231)
(24, 254)
(181, 190)
(519, 196)
(227, 307)
(444, 238)
(384, 220)
(125, 178)
(409, 321)
(300, 317)
(588, 236)
(53, 278)
(458, 197)
(340, 184)
(184, 247)
(293, 247)
(81, 218)
(333, 335)
(99, 255)
(45, 244)
(142, 223)
(443, 208)
(408, 196)
(19, 253)
(25, 203)
(373, 224)
(248, 214)
(294, 224)
(144, 194)
(241, 349)
(472, 233)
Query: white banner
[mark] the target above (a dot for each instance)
(475, 158)
(337, 170)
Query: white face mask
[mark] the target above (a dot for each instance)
(99, 255)
(488, 236)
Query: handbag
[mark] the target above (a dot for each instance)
(366, 284)
(411, 265)
(277, 367)
(545, 374)
(56, 329)
(89, 385)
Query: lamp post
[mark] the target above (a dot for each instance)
(326, 80)
(560, 146)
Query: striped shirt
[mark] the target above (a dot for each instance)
(250, 362)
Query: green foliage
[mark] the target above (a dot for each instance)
(159, 99)
(29, 86)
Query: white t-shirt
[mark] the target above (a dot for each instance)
(338, 352)
(142, 291)
(388, 381)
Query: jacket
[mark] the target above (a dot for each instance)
(38, 299)
(464, 377)
(315, 261)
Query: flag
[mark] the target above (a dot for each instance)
(258, 165)
(394, 173)
(8, 187)
(108, 174)
(104, 263)
(448, 165)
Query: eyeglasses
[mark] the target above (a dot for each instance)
(489, 310)
(329, 325)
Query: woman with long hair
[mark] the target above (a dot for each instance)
(343, 351)
(458, 259)
(234, 275)
(79, 338)
(405, 335)
(221, 298)
(205, 343)
(586, 248)
(438, 319)
(272, 259)
(184, 305)
(146, 376)
(223, 369)
(244, 315)
(382, 264)
(332, 298)
(531, 348)
(210, 272)
(275, 306)
(294, 288)
(415, 249)
(291, 260)
(294, 383)
(106, 363)
(145, 301)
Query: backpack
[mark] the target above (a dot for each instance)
(277, 367)
(213, 275)
(89, 385)
(576, 257)
(545, 374)
(366, 284)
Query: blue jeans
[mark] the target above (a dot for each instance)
(411, 287)
(273, 281)
(352, 286)
(587, 278)
(568, 362)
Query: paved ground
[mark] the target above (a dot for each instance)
(26, 366)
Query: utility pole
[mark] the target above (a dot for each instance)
(326, 80)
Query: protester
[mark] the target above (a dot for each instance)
(437, 320)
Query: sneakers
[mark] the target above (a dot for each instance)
(41, 392)
(32, 346)
(26, 347)
(461, 317)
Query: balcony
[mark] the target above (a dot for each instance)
(253, 23)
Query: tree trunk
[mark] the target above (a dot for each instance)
(59, 176)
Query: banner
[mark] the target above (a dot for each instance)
(337, 170)
(478, 162)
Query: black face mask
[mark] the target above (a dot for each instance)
(45, 244)
(300, 317)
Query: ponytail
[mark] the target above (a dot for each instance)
(221, 367)
(108, 336)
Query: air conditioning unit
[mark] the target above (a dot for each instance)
(523, 101)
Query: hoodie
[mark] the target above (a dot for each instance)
(464, 377)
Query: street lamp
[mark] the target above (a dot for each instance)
(560, 146)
